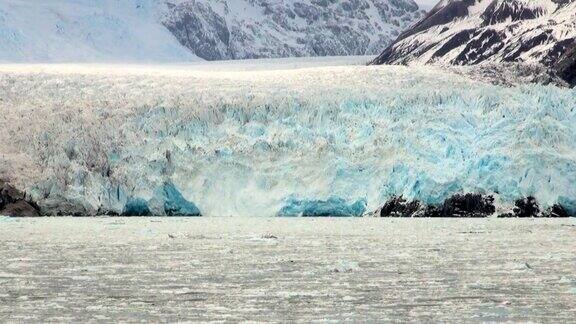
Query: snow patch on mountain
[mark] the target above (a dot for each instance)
(184, 30)
(86, 31)
(468, 32)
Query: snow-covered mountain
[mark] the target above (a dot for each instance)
(186, 30)
(86, 31)
(467, 32)
(239, 29)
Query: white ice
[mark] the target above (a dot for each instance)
(86, 31)
(245, 137)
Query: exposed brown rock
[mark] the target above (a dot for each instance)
(14, 202)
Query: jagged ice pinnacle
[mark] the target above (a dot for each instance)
(245, 141)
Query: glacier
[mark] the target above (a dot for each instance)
(251, 138)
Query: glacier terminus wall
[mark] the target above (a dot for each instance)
(231, 139)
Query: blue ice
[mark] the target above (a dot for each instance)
(332, 207)
(175, 204)
(136, 207)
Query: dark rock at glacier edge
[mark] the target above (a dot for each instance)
(556, 211)
(14, 202)
(399, 207)
(468, 205)
(527, 207)
(459, 205)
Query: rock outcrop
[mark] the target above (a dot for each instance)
(458, 205)
(14, 202)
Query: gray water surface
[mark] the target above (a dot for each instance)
(269, 270)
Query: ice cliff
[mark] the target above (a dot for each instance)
(244, 141)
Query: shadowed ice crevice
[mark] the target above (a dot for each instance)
(136, 207)
(175, 204)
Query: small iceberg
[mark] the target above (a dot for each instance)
(333, 207)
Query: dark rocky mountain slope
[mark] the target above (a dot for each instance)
(243, 29)
(470, 32)
(192, 30)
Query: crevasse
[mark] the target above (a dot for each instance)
(247, 142)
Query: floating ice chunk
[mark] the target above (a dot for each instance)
(345, 266)
(333, 207)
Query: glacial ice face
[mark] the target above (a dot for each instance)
(175, 204)
(136, 207)
(241, 140)
(332, 207)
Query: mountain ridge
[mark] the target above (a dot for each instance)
(470, 32)
(246, 29)
(192, 30)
